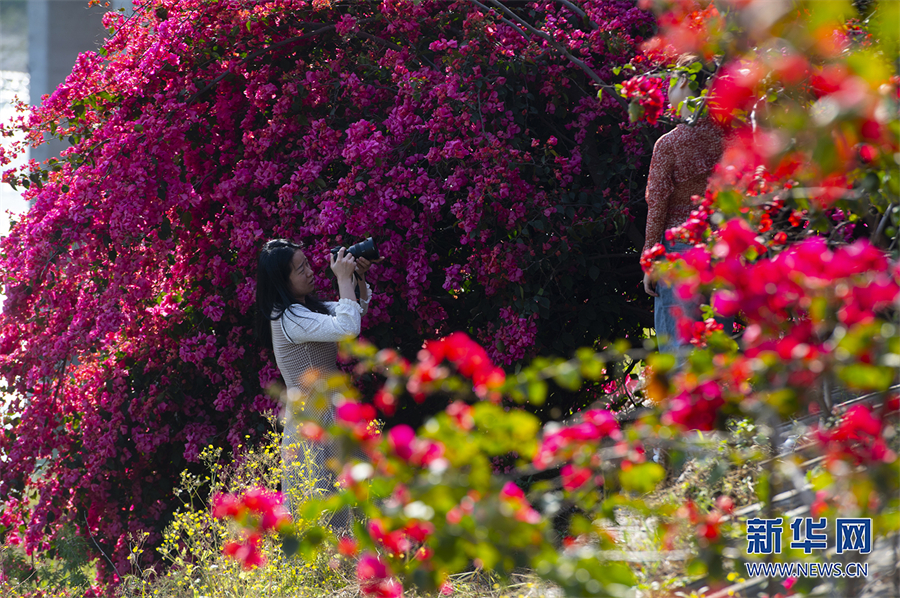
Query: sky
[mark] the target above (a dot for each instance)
(13, 82)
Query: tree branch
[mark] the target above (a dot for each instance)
(558, 47)
(377, 39)
(578, 12)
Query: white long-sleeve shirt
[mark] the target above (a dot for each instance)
(305, 342)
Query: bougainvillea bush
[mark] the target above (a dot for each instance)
(471, 143)
(796, 237)
(476, 147)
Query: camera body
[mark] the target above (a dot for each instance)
(366, 249)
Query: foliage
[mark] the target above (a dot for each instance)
(433, 505)
(193, 562)
(474, 149)
(790, 238)
(66, 569)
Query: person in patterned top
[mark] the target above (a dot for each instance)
(683, 159)
(303, 332)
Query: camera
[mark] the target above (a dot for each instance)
(366, 249)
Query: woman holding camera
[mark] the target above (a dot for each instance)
(303, 332)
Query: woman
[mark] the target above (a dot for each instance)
(303, 333)
(683, 159)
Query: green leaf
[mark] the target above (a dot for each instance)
(762, 487)
(729, 202)
(696, 568)
(591, 365)
(290, 545)
(867, 377)
(885, 26)
(661, 362)
(567, 376)
(580, 525)
(784, 400)
(830, 13)
(537, 392)
(642, 478)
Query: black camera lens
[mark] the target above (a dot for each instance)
(366, 249)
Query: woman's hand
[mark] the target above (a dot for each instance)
(650, 286)
(343, 264)
(363, 265)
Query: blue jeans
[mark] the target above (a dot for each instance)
(665, 320)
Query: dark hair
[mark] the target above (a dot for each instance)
(273, 296)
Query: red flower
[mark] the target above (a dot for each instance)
(247, 552)
(734, 89)
(735, 238)
(401, 439)
(386, 402)
(513, 498)
(313, 432)
(375, 579)
(348, 546)
(418, 530)
(575, 477)
(395, 541)
(646, 96)
(462, 414)
(696, 409)
(353, 413)
(859, 435)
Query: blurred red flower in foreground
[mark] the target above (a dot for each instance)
(257, 511)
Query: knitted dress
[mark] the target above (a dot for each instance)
(305, 345)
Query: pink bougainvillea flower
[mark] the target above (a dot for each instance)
(461, 414)
(420, 452)
(513, 501)
(375, 580)
(401, 439)
(697, 408)
(596, 425)
(386, 402)
(246, 552)
(647, 97)
(574, 477)
(351, 412)
(215, 156)
(859, 436)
